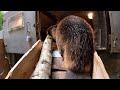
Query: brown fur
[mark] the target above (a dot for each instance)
(74, 39)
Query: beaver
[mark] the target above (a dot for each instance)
(75, 41)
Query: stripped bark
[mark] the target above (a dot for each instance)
(43, 68)
(58, 74)
(58, 63)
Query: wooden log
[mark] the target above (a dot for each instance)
(58, 63)
(26, 65)
(58, 74)
(99, 71)
(43, 68)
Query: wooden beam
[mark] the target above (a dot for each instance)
(26, 65)
(50, 15)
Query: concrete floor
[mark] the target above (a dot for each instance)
(112, 64)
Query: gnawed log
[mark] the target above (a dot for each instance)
(26, 65)
(99, 71)
(58, 63)
(58, 74)
(43, 68)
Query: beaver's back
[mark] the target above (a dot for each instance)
(75, 36)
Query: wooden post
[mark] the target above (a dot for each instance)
(26, 65)
(99, 71)
(43, 68)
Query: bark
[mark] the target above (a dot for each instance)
(43, 68)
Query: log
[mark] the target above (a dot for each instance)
(26, 65)
(58, 74)
(99, 71)
(58, 63)
(43, 68)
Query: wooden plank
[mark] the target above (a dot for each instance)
(99, 71)
(58, 63)
(5, 68)
(4, 63)
(26, 65)
(2, 49)
(58, 74)
(43, 68)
